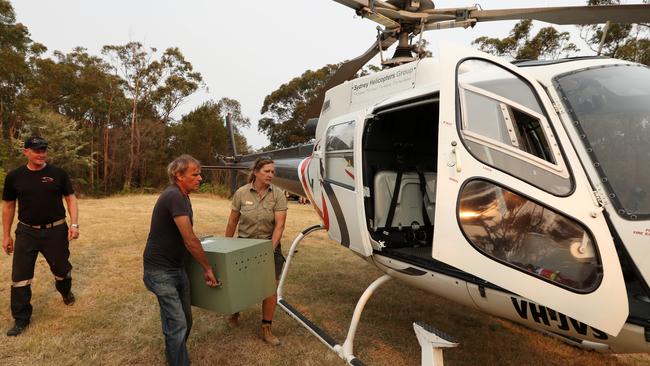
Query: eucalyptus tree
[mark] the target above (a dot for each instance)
(155, 87)
(16, 52)
(547, 43)
(625, 41)
(284, 109)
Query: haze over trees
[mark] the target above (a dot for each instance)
(108, 116)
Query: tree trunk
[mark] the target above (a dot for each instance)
(105, 143)
(92, 150)
(134, 119)
(2, 116)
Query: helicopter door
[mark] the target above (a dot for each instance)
(514, 206)
(340, 185)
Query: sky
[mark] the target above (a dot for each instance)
(244, 49)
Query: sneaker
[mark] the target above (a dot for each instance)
(69, 298)
(267, 336)
(17, 330)
(233, 320)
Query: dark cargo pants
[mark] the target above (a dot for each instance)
(53, 243)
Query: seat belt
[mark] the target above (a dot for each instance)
(393, 201)
(423, 189)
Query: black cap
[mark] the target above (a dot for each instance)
(35, 143)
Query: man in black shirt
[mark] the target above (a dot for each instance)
(42, 227)
(171, 239)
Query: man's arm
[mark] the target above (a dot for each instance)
(193, 245)
(280, 219)
(8, 211)
(73, 210)
(233, 219)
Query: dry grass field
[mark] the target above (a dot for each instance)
(115, 320)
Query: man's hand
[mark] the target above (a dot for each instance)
(73, 233)
(209, 278)
(8, 244)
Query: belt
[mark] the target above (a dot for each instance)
(46, 226)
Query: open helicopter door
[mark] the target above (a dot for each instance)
(342, 198)
(514, 206)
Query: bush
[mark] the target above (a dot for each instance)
(216, 189)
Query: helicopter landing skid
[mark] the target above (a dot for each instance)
(431, 341)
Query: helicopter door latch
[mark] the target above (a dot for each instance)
(454, 159)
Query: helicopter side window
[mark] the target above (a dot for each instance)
(528, 236)
(503, 125)
(339, 151)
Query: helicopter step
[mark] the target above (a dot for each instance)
(431, 340)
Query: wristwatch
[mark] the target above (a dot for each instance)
(76, 226)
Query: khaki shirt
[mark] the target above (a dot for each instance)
(257, 215)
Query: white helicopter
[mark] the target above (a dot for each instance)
(515, 189)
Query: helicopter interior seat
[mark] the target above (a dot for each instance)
(412, 208)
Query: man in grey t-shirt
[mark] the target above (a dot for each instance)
(171, 238)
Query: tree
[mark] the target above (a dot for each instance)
(81, 87)
(624, 41)
(283, 110)
(547, 43)
(201, 133)
(155, 87)
(178, 81)
(16, 51)
(64, 138)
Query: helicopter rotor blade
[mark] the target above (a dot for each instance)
(359, 5)
(569, 14)
(417, 17)
(347, 72)
(369, 9)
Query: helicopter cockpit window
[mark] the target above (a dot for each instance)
(503, 125)
(528, 236)
(339, 148)
(610, 109)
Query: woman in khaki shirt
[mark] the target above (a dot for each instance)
(260, 209)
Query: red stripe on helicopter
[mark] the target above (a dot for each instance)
(307, 187)
(326, 217)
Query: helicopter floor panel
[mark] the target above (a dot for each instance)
(421, 257)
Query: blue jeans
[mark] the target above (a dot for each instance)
(172, 288)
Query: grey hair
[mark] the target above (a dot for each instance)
(180, 165)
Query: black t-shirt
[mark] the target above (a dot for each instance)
(165, 248)
(38, 192)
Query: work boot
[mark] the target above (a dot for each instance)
(267, 336)
(233, 320)
(17, 329)
(69, 298)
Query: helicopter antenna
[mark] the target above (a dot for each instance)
(381, 52)
(602, 39)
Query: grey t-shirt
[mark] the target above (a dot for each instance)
(165, 248)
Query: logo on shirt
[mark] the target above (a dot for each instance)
(47, 180)
(248, 203)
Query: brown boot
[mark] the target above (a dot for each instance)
(233, 321)
(267, 336)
